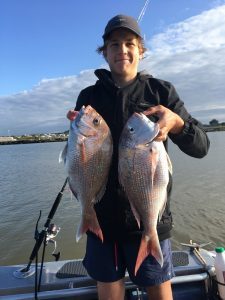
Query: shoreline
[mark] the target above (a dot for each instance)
(64, 138)
(32, 141)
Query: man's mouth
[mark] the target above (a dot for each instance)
(122, 60)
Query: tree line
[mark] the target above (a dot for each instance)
(215, 122)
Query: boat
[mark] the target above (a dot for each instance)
(67, 279)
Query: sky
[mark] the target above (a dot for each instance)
(48, 55)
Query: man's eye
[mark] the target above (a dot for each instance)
(130, 44)
(113, 44)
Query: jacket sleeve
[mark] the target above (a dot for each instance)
(193, 139)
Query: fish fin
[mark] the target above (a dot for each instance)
(83, 151)
(155, 131)
(90, 222)
(136, 214)
(170, 166)
(154, 157)
(72, 190)
(149, 245)
(99, 195)
(161, 211)
(62, 154)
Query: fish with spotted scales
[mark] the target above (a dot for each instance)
(144, 168)
(87, 158)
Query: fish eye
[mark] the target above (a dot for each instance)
(96, 121)
(131, 129)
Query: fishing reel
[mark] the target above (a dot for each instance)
(47, 235)
(52, 232)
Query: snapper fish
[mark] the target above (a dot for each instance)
(144, 168)
(87, 158)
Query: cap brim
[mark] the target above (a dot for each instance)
(106, 34)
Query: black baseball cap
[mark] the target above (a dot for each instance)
(122, 21)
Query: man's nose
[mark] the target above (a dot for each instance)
(123, 48)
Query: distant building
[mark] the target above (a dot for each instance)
(7, 139)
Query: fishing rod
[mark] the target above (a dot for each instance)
(48, 232)
(141, 15)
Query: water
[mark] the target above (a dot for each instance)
(31, 177)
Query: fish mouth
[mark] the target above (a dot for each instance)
(81, 126)
(148, 143)
(86, 131)
(154, 126)
(83, 129)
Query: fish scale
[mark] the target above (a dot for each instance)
(87, 157)
(144, 174)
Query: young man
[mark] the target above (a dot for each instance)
(116, 95)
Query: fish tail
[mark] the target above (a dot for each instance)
(90, 222)
(149, 245)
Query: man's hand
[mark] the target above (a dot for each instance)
(168, 121)
(72, 114)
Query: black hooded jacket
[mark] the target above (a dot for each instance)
(116, 105)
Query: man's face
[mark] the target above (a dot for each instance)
(123, 53)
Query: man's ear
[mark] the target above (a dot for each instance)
(141, 54)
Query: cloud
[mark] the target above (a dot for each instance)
(201, 31)
(44, 107)
(190, 54)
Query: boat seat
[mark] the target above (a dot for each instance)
(72, 269)
(180, 258)
(76, 269)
